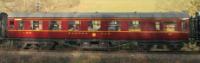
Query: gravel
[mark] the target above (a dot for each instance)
(95, 57)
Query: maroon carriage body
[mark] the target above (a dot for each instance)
(145, 26)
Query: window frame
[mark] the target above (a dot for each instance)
(12, 26)
(21, 25)
(184, 25)
(74, 25)
(116, 24)
(40, 25)
(93, 23)
(134, 25)
(168, 25)
(157, 26)
(58, 24)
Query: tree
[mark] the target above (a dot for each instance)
(17, 6)
(58, 5)
(190, 6)
(194, 6)
(37, 5)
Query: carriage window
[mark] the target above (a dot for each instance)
(54, 25)
(94, 25)
(20, 25)
(12, 25)
(36, 25)
(157, 25)
(183, 25)
(170, 26)
(134, 26)
(73, 25)
(114, 26)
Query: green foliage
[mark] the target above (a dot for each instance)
(189, 6)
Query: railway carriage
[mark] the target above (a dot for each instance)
(100, 30)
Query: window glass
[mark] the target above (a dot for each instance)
(114, 26)
(134, 26)
(183, 25)
(20, 25)
(36, 25)
(94, 25)
(12, 25)
(170, 26)
(73, 25)
(54, 25)
(157, 25)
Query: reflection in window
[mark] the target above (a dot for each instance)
(157, 25)
(36, 25)
(54, 25)
(134, 26)
(20, 25)
(12, 25)
(170, 26)
(94, 25)
(73, 25)
(114, 26)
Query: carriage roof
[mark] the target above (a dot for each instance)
(105, 15)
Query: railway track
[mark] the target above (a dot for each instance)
(95, 57)
(121, 47)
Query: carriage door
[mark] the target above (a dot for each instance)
(3, 21)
